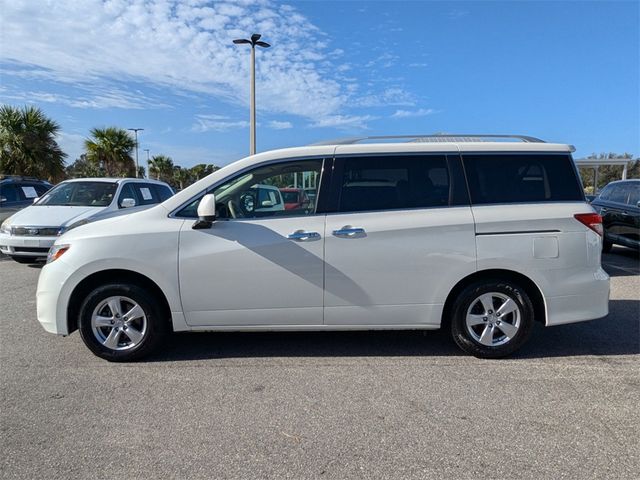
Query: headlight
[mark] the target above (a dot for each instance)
(56, 252)
(5, 227)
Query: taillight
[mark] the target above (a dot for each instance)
(590, 220)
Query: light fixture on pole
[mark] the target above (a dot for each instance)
(136, 130)
(255, 41)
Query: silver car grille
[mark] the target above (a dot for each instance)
(35, 231)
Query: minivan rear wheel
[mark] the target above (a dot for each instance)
(492, 319)
(121, 322)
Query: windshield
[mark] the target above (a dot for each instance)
(80, 194)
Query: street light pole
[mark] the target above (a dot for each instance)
(255, 41)
(136, 130)
(147, 150)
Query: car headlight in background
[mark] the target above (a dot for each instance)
(5, 227)
(56, 252)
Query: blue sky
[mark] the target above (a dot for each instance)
(563, 71)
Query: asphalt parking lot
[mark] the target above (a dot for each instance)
(323, 405)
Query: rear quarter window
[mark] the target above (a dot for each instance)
(521, 178)
(163, 192)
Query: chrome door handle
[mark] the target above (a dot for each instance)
(303, 236)
(348, 232)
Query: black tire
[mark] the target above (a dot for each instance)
(157, 325)
(468, 300)
(606, 246)
(24, 260)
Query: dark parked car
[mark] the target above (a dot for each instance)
(18, 192)
(619, 205)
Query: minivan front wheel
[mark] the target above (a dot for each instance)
(492, 319)
(121, 322)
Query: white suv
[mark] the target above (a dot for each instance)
(481, 237)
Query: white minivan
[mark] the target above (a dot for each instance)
(482, 236)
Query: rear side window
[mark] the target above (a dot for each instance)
(618, 193)
(524, 178)
(634, 193)
(388, 182)
(163, 192)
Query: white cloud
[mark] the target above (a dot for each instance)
(107, 98)
(72, 144)
(394, 96)
(277, 125)
(358, 122)
(217, 123)
(168, 43)
(422, 112)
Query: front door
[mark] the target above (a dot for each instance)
(259, 264)
(403, 235)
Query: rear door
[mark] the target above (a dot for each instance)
(612, 205)
(400, 236)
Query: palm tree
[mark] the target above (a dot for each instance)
(202, 170)
(181, 176)
(110, 148)
(28, 143)
(161, 166)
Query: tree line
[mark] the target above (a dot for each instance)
(28, 147)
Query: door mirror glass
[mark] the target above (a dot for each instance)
(127, 203)
(206, 212)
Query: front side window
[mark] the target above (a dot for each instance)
(521, 178)
(127, 192)
(80, 194)
(260, 193)
(394, 182)
(146, 193)
(9, 193)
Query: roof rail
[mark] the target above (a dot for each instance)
(438, 137)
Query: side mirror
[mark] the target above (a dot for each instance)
(266, 204)
(127, 203)
(35, 200)
(206, 212)
(3, 199)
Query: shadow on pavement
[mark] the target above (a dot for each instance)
(617, 334)
(621, 262)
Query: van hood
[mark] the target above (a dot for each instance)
(53, 216)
